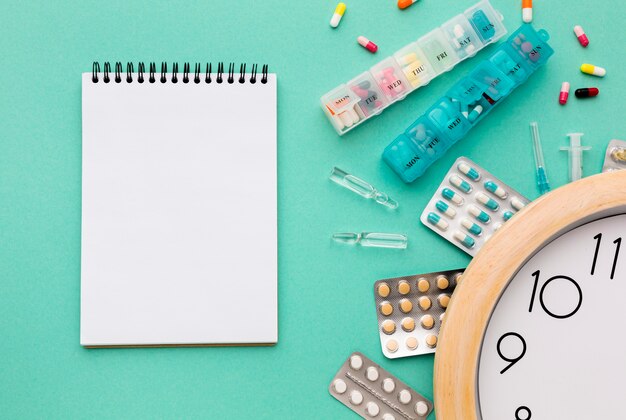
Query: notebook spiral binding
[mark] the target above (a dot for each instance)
(197, 77)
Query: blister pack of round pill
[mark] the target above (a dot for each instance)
(410, 311)
(470, 205)
(374, 393)
(615, 157)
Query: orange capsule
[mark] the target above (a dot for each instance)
(403, 4)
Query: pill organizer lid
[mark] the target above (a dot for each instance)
(366, 77)
(340, 99)
(413, 48)
(461, 20)
(488, 69)
(390, 62)
(495, 19)
(437, 35)
(538, 40)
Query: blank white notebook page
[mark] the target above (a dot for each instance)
(179, 213)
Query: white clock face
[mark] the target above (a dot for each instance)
(555, 347)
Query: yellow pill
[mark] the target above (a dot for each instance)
(443, 300)
(392, 346)
(458, 279)
(431, 340)
(428, 322)
(408, 324)
(443, 282)
(425, 303)
(389, 327)
(593, 70)
(405, 306)
(404, 287)
(423, 285)
(411, 343)
(383, 290)
(339, 11)
(386, 308)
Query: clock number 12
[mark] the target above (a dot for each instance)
(617, 242)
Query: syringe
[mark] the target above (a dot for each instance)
(575, 150)
(542, 176)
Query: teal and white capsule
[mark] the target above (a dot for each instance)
(435, 220)
(445, 209)
(464, 239)
(480, 215)
(448, 194)
(467, 170)
(490, 203)
(494, 188)
(507, 215)
(517, 203)
(462, 185)
(471, 227)
(473, 116)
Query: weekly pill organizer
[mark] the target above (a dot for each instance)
(410, 310)
(372, 392)
(470, 205)
(413, 66)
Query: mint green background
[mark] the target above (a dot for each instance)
(325, 289)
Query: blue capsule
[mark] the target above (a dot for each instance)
(445, 209)
(495, 189)
(507, 215)
(464, 239)
(480, 215)
(460, 184)
(448, 194)
(471, 227)
(468, 171)
(490, 203)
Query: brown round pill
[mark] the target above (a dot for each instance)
(427, 321)
(423, 285)
(404, 287)
(443, 282)
(386, 308)
(383, 290)
(392, 346)
(425, 303)
(408, 324)
(405, 306)
(388, 326)
(458, 279)
(411, 343)
(431, 340)
(443, 300)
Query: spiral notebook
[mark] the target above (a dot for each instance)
(179, 206)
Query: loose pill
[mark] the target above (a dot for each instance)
(392, 346)
(411, 343)
(586, 92)
(431, 341)
(421, 408)
(388, 326)
(445, 209)
(527, 11)
(564, 94)
(383, 290)
(480, 215)
(593, 70)
(490, 203)
(386, 308)
(404, 396)
(495, 189)
(507, 215)
(356, 362)
(356, 397)
(466, 240)
(408, 324)
(460, 184)
(471, 227)
(340, 386)
(517, 203)
(404, 287)
(443, 300)
(339, 11)
(580, 34)
(367, 44)
(371, 373)
(427, 322)
(467, 170)
(424, 303)
(435, 220)
(405, 306)
(423, 285)
(443, 282)
(372, 409)
(403, 4)
(447, 193)
(388, 385)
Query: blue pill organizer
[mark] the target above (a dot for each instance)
(467, 102)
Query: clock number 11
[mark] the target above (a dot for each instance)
(617, 242)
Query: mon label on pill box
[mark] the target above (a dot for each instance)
(470, 205)
(615, 157)
(372, 392)
(410, 310)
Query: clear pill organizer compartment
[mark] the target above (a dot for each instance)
(413, 66)
(467, 102)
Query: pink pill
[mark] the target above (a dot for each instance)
(580, 34)
(564, 93)
(367, 44)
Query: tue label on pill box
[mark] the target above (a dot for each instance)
(470, 205)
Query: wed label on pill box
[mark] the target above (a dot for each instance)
(615, 156)
(372, 392)
(470, 205)
(410, 310)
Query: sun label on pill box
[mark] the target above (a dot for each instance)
(488, 198)
(373, 392)
(418, 312)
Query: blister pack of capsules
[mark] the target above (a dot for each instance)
(467, 102)
(373, 393)
(470, 205)
(410, 311)
(615, 157)
(413, 66)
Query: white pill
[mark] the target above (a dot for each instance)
(421, 408)
(356, 397)
(517, 203)
(404, 396)
(458, 31)
(389, 385)
(372, 409)
(356, 362)
(388, 416)
(340, 386)
(372, 373)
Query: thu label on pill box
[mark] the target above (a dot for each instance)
(410, 310)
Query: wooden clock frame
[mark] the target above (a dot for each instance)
(489, 273)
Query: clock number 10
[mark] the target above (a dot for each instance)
(543, 289)
(617, 242)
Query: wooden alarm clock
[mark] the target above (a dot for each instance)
(536, 330)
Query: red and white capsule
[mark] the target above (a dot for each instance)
(580, 34)
(564, 93)
(367, 44)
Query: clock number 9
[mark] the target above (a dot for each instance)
(513, 360)
(543, 288)
(526, 411)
